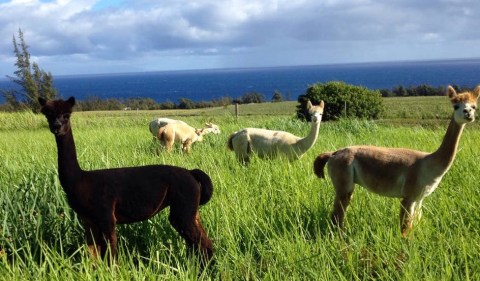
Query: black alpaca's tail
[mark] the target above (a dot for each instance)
(205, 183)
(319, 164)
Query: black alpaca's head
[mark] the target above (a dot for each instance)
(58, 114)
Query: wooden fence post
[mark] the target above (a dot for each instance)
(236, 111)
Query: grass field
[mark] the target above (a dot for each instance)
(268, 221)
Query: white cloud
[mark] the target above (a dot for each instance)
(204, 33)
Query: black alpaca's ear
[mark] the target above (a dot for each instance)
(71, 101)
(42, 101)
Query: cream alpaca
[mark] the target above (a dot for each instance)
(267, 143)
(397, 172)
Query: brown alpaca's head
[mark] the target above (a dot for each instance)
(58, 114)
(464, 104)
(315, 111)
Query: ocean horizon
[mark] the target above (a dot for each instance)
(290, 81)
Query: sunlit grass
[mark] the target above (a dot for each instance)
(268, 221)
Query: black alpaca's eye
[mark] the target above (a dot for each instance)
(66, 116)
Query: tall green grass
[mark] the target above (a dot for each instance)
(268, 221)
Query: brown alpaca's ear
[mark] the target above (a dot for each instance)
(322, 104)
(476, 92)
(71, 101)
(451, 92)
(42, 101)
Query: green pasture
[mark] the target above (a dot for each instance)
(268, 221)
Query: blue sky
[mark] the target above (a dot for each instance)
(90, 36)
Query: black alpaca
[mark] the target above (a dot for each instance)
(104, 198)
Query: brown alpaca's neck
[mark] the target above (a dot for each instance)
(68, 168)
(445, 154)
(307, 142)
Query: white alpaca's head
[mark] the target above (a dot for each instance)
(315, 111)
(464, 104)
(212, 128)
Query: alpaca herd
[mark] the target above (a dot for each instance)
(104, 198)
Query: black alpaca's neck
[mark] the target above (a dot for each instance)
(68, 168)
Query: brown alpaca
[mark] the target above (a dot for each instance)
(104, 198)
(397, 172)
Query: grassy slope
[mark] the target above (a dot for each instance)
(269, 221)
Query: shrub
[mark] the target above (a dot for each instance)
(342, 100)
(253, 97)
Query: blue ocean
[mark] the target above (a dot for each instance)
(205, 85)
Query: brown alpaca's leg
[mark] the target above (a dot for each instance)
(342, 179)
(188, 225)
(407, 210)
(340, 207)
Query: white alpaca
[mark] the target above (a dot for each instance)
(180, 133)
(397, 172)
(211, 128)
(268, 143)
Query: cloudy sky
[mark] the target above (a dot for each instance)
(105, 36)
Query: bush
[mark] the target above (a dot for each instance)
(253, 97)
(342, 100)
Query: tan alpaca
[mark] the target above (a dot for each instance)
(157, 123)
(268, 143)
(180, 133)
(397, 172)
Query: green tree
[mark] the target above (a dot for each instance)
(277, 97)
(253, 97)
(33, 82)
(342, 100)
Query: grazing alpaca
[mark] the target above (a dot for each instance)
(397, 172)
(211, 128)
(104, 198)
(181, 133)
(160, 122)
(267, 143)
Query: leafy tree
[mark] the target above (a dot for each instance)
(277, 97)
(186, 104)
(253, 97)
(399, 91)
(33, 82)
(341, 100)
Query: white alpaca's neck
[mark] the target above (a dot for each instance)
(307, 142)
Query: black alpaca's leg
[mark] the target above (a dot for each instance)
(100, 236)
(186, 220)
(93, 235)
(108, 238)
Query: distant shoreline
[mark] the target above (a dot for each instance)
(239, 69)
(289, 81)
